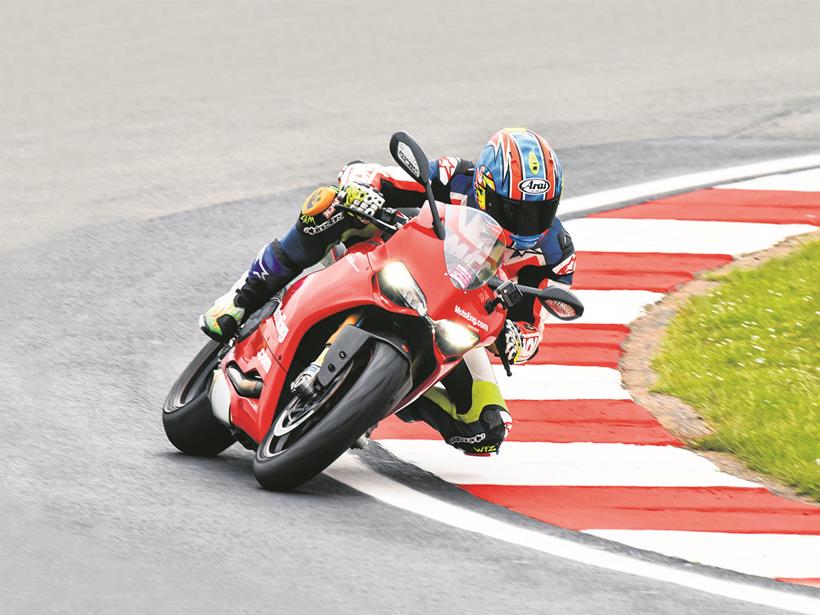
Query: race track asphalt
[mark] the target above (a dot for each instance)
(148, 149)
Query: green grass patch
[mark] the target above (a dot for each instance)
(746, 356)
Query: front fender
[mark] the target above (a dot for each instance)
(349, 344)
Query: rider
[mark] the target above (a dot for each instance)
(518, 181)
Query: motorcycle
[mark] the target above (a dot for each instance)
(383, 324)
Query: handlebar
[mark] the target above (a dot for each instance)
(495, 283)
(392, 226)
(558, 301)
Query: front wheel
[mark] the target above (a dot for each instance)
(306, 437)
(186, 414)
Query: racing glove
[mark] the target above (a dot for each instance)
(522, 340)
(360, 198)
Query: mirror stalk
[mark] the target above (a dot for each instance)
(438, 227)
(410, 157)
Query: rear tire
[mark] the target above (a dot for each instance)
(186, 414)
(359, 404)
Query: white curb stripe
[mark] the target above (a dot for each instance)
(765, 555)
(354, 473)
(607, 198)
(678, 236)
(560, 382)
(575, 463)
(803, 181)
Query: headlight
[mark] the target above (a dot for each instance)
(398, 285)
(453, 338)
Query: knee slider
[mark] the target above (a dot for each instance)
(497, 422)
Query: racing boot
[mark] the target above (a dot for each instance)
(267, 276)
(479, 432)
(496, 423)
(222, 320)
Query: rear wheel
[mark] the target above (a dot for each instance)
(306, 437)
(186, 414)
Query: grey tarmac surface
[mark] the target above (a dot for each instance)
(148, 149)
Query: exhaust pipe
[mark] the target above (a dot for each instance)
(246, 387)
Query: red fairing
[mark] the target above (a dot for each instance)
(346, 284)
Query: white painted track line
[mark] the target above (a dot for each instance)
(765, 555)
(607, 198)
(575, 463)
(612, 306)
(678, 236)
(357, 475)
(560, 382)
(802, 181)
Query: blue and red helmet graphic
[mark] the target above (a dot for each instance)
(521, 166)
(518, 180)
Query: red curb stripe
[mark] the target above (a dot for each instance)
(640, 271)
(393, 428)
(809, 582)
(764, 206)
(588, 345)
(649, 262)
(562, 411)
(602, 421)
(559, 421)
(747, 198)
(656, 282)
(592, 432)
(698, 509)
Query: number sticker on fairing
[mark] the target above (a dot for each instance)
(280, 324)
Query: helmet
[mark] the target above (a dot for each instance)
(518, 181)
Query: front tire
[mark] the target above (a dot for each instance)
(186, 414)
(360, 399)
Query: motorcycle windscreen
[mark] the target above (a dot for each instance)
(473, 246)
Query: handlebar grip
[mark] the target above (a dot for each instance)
(385, 226)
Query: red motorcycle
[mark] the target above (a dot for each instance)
(385, 322)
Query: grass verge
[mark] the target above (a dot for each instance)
(746, 356)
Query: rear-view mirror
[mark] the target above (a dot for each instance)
(410, 157)
(561, 303)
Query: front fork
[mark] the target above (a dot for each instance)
(304, 385)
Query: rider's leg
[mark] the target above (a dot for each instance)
(276, 264)
(469, 412)
(267, 275)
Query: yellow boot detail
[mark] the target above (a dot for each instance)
(484, 394)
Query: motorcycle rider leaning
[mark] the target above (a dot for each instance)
(518, 180)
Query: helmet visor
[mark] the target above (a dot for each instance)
(521, 217)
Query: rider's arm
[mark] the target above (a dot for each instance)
(554, 264)
(320, 225)
(450, 178)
